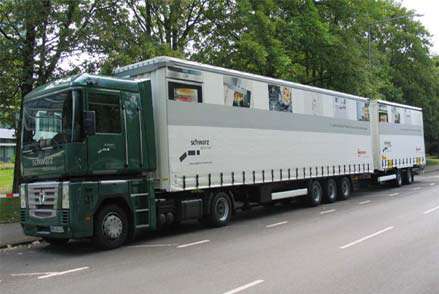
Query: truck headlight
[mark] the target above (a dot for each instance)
(65, 196)
(23, 195)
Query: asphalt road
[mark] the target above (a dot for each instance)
(384, 240)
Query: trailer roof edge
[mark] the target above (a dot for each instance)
(161, 61)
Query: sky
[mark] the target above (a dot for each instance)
(430, 11)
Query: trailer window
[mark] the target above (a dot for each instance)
(362, 111)
(382, 114)
(185, 92)
(107, 109)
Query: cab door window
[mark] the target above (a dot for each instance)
(107, 109)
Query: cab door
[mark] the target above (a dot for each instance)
(106, 147)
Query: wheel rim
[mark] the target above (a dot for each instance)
(345, 188)
(409, 176)
(316, 191)
(398, 178)
(112, 226)
(331, 190)
(222, 209)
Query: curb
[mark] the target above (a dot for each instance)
(18, 243)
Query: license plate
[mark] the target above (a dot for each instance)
(57, 229)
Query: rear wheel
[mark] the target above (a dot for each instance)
(408, 176)
(110, 227)
(398, 179)
(315, 192)
(330, 191)
(220, 210)
(344, 188)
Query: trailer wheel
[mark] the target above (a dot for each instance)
(315, 192)
(408, 176)
(398, 179)
(220, 210)
(330, 191)
(110, 227)
(344, 188)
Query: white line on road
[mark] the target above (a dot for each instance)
(154, 245)
(63, 273)
(366, 237)
(431, 210)
(364, 202)
(432, 184)
(45, 275)
(416, 188)
(394, 194)
(276, 224)
(193, 243)
(327, 211)
(242, 288)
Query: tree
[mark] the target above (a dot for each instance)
(38, 35)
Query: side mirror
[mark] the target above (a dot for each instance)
(89, 123)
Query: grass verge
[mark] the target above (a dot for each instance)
(432, 160)
(6, 178)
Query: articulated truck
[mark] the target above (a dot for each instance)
(167, 140)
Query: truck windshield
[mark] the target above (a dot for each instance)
(49, 121)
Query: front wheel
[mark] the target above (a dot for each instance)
(110, 227)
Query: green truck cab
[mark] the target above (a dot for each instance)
(87, 155)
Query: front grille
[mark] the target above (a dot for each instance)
(43, 199)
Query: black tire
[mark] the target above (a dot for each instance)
(344, 189)
(56, 241)
(330, 191)
(398, 180)
(220, 210)
(110, 227)
(315, 193)
(408, 176)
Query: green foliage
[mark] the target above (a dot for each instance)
(320, 43)
(6, 176)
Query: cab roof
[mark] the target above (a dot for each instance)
(84, 80)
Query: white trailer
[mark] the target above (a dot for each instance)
(219, 128)
(397, 140)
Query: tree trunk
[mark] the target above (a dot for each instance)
(26, 86)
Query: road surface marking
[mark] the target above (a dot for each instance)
(63, 273)
(365, 202)
(366, 237)
(327, 211)
(193, 243)
(30, 274)
(242, 288)
(416, 188)
(154, 245)
(276, 224)
(45, 275)
(431, 210)
(432, 184)
(394, 194)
